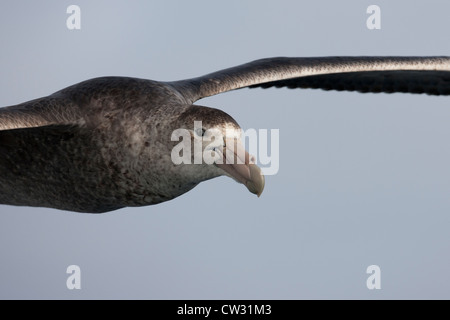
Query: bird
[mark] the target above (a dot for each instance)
(107, 143)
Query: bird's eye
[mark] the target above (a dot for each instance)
(200, 132)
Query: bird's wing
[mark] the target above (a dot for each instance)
(430, 75)
(89, 102)
(50, 110)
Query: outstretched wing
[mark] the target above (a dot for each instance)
(52, 110)
(55, 166)
(430, 75)
(88, 102)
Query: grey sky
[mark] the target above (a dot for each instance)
(363, 179)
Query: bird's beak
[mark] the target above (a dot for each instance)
(240, 165)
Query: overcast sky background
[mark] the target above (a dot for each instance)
(364, 178)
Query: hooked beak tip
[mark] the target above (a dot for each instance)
(257, 181)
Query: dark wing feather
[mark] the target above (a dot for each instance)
(365, 74)
(429, 82)
(55, 166)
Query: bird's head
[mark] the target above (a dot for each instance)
(212, 146)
